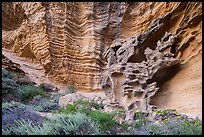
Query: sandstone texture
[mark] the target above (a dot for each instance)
(126, 79)
(8, 64)
(139, 53)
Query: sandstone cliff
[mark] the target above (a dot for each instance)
(70, 41)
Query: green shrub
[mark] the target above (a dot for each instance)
(89, 104)
(84, 110)
(190, 129)
(164, 112)
(6, 106)
(9, 86)
(59, 124)
(69, 109)
(20, 127)
(124, 126)
(81, 105)
(12, 81)
(176, 126)
(74, 123)
(140, 119)
(183, 127)
(105, 120)
(82, 102)
(8, 74)
(155, 130)
(28, 92)
(45, 104)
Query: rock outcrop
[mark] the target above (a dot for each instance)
(8, 64)
(125, 79)
(146, 39)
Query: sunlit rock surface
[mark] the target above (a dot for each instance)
(69, 40)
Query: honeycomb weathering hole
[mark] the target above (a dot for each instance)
(137, 58)
(134, 71)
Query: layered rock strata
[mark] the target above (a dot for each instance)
(69, 38)
(8, 64)
(64, 37)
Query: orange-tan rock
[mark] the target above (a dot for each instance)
(70, 39)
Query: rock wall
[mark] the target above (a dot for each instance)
(127, 81)
(69, 41)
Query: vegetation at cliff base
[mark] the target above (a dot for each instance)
(23, 101)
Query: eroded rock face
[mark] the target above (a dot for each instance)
(70, 40)
(8, 64)
(66, 38)
(125, 79)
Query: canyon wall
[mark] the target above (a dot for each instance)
(69, 41)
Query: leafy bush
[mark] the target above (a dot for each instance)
(190, 129)
(69, 109)
(182, 126)
(176, 127)
(89, 104)
(140, 119)
(72, 108)
(9, 86)
(20, 127)
(45, 104)
(8, 74)
(124, 126)
(73, 123)
(18, 114)
(6, 106)
(155, 130)
(81, 105)
(105, 120)
(59, 124)
(164, 112)
(172, 123)
(28, 92)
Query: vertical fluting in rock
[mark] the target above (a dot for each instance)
(69, 39)
(66, 38)
(13, 16)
